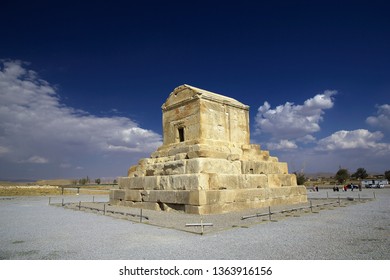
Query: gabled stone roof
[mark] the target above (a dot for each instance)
(190, 92)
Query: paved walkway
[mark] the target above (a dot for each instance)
(33, 229)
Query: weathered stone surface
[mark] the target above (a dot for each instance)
(117, 195)
(212, 165)
(206, 163)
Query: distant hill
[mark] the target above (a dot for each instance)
(331, 175)
(17, 180)
(320, 175)
(56, 182)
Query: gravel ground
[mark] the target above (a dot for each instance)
(30, 228)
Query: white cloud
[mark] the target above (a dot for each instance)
(36, 159)
(3, 150)
(356, 139)
(285, 127)
(36, 128)
(291, 121)
(306, 139)
(382, 119)
(349, 149)
(65, 165)
(282, 145)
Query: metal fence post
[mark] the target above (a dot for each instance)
(269, 212)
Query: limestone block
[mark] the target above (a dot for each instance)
(207, 154)
(189, 181)
(182, 197)
(264, 167)
(131, 170)
(234, 157)
(145, 162)
(274, 180)
(265, 155)
(249, 181)
(279, 167)
(224, 181)
(246, 181)
(293, 179)
(151, 182)
(218, 146)
(279, 180)
(130, 183)
(138, 171)
(156, 196)
(159, 153)
(163, 159)
(155, 169)
(246, 195)
(296, 192)
(117, 195)
(139, 183)
(133, 195)
(272, 159)
(203, 197)
(174, 167)
(212, 165)
(251, 152)
(180, 156)
(180, 149)
(164, 183)
(299, 190)
(288, 179)
(175, 197)
(150, 171)
(280, 192)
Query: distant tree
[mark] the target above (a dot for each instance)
(115, 181)
(97, 181)
(74, 182)
(301, 179)
(387, 175)
(342, 175)
(82, 181)
(360, 173)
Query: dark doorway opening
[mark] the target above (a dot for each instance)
(181, 134)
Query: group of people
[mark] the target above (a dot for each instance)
(346, 187)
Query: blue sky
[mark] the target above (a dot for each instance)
(82, 82)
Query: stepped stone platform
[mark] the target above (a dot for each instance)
(206, 164)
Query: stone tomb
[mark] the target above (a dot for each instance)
(206, 164)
